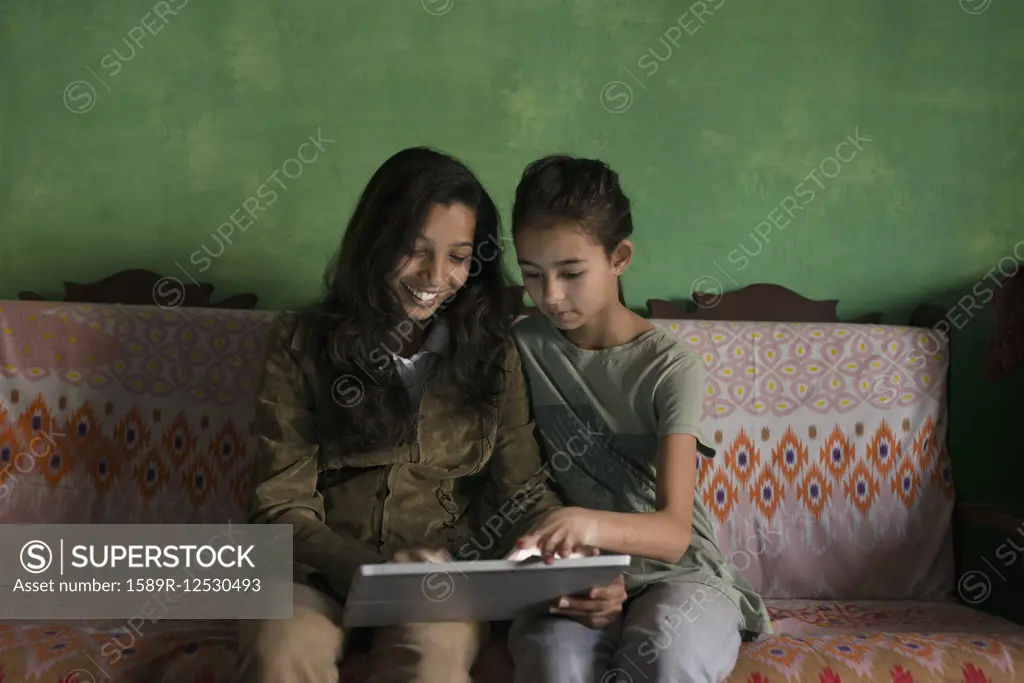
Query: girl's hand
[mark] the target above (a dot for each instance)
(562, 532)
(598, 609)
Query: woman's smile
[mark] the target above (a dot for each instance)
(424, 298)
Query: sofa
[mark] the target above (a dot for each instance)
(832, 488)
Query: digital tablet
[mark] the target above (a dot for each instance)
(488, 590)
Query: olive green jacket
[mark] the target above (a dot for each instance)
(466, 484)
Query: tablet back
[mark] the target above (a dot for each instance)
(492, 590)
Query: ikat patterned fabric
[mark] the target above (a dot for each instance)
(832, 479)
(831, 488)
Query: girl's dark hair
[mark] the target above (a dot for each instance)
(362, 404)
(560, 188)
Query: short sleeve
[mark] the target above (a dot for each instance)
(679, 401)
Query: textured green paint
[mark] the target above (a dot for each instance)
(716, 136)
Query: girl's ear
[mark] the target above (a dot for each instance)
(621, 256)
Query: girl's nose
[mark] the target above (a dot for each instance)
(552, 293)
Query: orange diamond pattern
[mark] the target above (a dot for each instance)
(767, 493)
(720, 496)
(790, 456)
(905, 483)
(178, 440)
(836, 454)
(815, 492)
(69, 449)
(924, 445)
(883, 450)
(862, 488)
(742, 459)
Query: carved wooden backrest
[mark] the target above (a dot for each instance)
(140, 287)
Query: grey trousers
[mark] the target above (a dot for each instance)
(669, 633)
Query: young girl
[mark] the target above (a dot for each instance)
(384, 414)
(618, 405)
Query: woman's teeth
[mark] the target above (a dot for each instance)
(425, 297)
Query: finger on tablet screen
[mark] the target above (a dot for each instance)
(528, 541)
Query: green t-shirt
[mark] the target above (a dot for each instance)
(601, 415)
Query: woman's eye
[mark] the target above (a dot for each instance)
(459, 259)
(572, 276)
(530, 276)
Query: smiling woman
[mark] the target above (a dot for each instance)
(405, 255)
(389, 413)
(439, 263)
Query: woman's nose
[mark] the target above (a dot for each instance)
(436, 271)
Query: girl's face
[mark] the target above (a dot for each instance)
(439, 263)
(567, 273)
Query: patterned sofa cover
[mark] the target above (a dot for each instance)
(832, 490)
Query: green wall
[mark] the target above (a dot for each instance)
(130, 130)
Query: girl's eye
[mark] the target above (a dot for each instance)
(419, 252)
(572, 276)
(530, 276)
(459, 259)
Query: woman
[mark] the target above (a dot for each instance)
(386, 414)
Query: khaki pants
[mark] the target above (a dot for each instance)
(308, 647)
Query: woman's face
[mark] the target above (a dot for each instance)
(439, 263)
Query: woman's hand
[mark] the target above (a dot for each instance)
(432, 555)
(562, 532)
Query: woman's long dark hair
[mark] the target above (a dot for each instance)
(360, 312)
